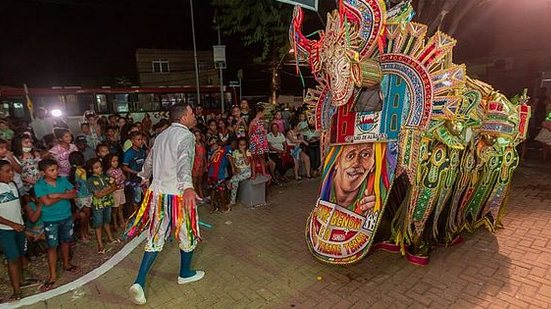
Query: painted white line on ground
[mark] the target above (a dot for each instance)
(114, 260)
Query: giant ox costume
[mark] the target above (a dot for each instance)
(415, 152)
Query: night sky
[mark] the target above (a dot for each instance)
(91, 42)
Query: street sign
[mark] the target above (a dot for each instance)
(235, 84)
(307, 4)
(219, 56)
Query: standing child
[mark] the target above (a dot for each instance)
(102, 188)
(83, 201)
(132, 164)
(34, 225)
(218, 173)
(55, 193)
(258, 142)
(241, 166)
(199, 164)
(28, 157)
(12, 231)
(111, 165)
(7, 155)
(102, 150)
(62, 150)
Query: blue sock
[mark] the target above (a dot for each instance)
(147, 262)
(185, 264)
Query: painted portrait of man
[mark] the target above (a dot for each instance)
(350, 180)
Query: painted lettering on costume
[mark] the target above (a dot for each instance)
(356, 243)
(323, 213)
(332, 249)
(342, 220)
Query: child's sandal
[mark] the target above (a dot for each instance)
(48, 285)
(73, 269)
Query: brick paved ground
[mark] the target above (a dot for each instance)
(258, 258)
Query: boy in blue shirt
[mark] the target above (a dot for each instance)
(55, 194)
(132, 164)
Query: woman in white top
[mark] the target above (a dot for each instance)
(295, 140)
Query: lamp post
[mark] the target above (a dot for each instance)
(195, 54)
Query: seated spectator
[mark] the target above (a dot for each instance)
(313, 149)
(241, 167)
(278, 153)
(295, 141)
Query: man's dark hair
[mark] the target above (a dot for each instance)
(177, 111)
(84, 124)
(113, 128)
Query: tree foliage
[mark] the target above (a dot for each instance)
(263, 22)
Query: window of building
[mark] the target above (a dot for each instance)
(161, 66)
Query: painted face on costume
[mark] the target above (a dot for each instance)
(353, 166)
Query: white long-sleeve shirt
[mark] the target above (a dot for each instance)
(170, 161)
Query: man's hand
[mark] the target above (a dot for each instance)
(18, 227)
(367, 202)
(190, 197)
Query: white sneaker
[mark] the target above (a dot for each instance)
(198, 276)
(136, 294)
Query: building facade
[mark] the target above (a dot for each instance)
(174, 67)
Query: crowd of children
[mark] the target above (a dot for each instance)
(54, 189)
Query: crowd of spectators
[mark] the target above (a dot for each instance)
(60, 187)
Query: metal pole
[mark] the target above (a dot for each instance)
(195, 54)
(222, 99)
